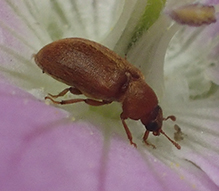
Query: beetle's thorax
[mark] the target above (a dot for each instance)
(139, 100)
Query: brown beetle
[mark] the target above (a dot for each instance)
(101, 75)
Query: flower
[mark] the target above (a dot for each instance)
(78, 147)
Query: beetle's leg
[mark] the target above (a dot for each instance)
(73, 90)
(87, 101)
(128, 132)
(62, 93)
(95, 102)
(145, 139)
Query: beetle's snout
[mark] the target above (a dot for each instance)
(155, 127)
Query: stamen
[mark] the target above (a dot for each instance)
(194, 14)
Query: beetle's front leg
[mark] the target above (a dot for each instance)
(145, 139)
(128, 132)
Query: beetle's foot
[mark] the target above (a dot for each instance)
(134, 144)
(149, 144)
(53, 101)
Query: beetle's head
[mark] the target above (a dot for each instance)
(153, 123)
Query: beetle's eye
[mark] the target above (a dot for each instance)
(152, 126)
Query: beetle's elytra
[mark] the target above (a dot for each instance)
(101, 75)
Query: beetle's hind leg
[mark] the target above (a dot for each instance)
(73, 90)
(87, 101)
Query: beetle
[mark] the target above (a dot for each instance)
(97, 72)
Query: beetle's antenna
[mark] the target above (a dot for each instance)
(174, 143)
(172, 117)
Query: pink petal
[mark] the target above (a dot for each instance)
(42, 150)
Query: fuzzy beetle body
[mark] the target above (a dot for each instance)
(102, 76)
